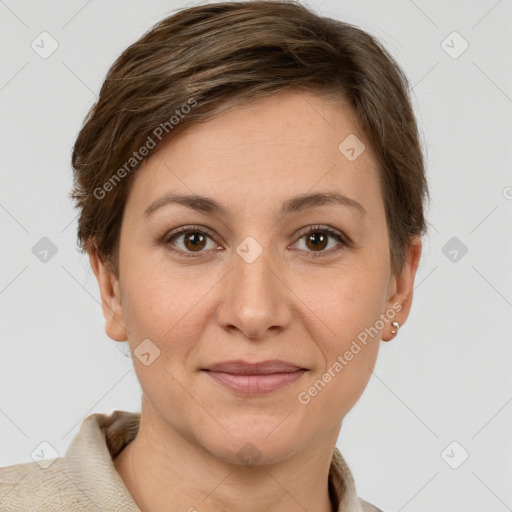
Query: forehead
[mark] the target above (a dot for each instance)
(274, 148)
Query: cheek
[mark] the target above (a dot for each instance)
(336, 390)
(350, 308)
(349, 346)
(165, 305)
(347, 300)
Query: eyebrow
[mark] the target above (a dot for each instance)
(295, 204)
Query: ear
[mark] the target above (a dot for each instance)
(404, 285)
(110, 297)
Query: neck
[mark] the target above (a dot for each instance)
(161, 467)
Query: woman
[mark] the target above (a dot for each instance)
(250, 186)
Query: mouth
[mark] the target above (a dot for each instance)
(254, 378)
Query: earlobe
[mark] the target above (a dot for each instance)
(404, 286)
(110, 298)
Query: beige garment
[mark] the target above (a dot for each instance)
(85, 478)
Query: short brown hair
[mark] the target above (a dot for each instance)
(208, 59)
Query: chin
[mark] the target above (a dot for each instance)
(253, 442)
(253, 453)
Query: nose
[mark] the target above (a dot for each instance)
(256, 298)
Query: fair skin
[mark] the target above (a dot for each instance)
(216, 306)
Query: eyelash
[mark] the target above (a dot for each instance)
(339, 237)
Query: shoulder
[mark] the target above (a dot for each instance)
(344, 489)
(29, 486)
(368, 507)
(84, 479)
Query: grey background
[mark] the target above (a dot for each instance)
(446, 376)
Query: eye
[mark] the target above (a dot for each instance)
(316, 240)
(190, 241)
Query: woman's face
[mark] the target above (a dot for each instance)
(246, 282)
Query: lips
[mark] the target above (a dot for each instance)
(254, 378)
(240, 367)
